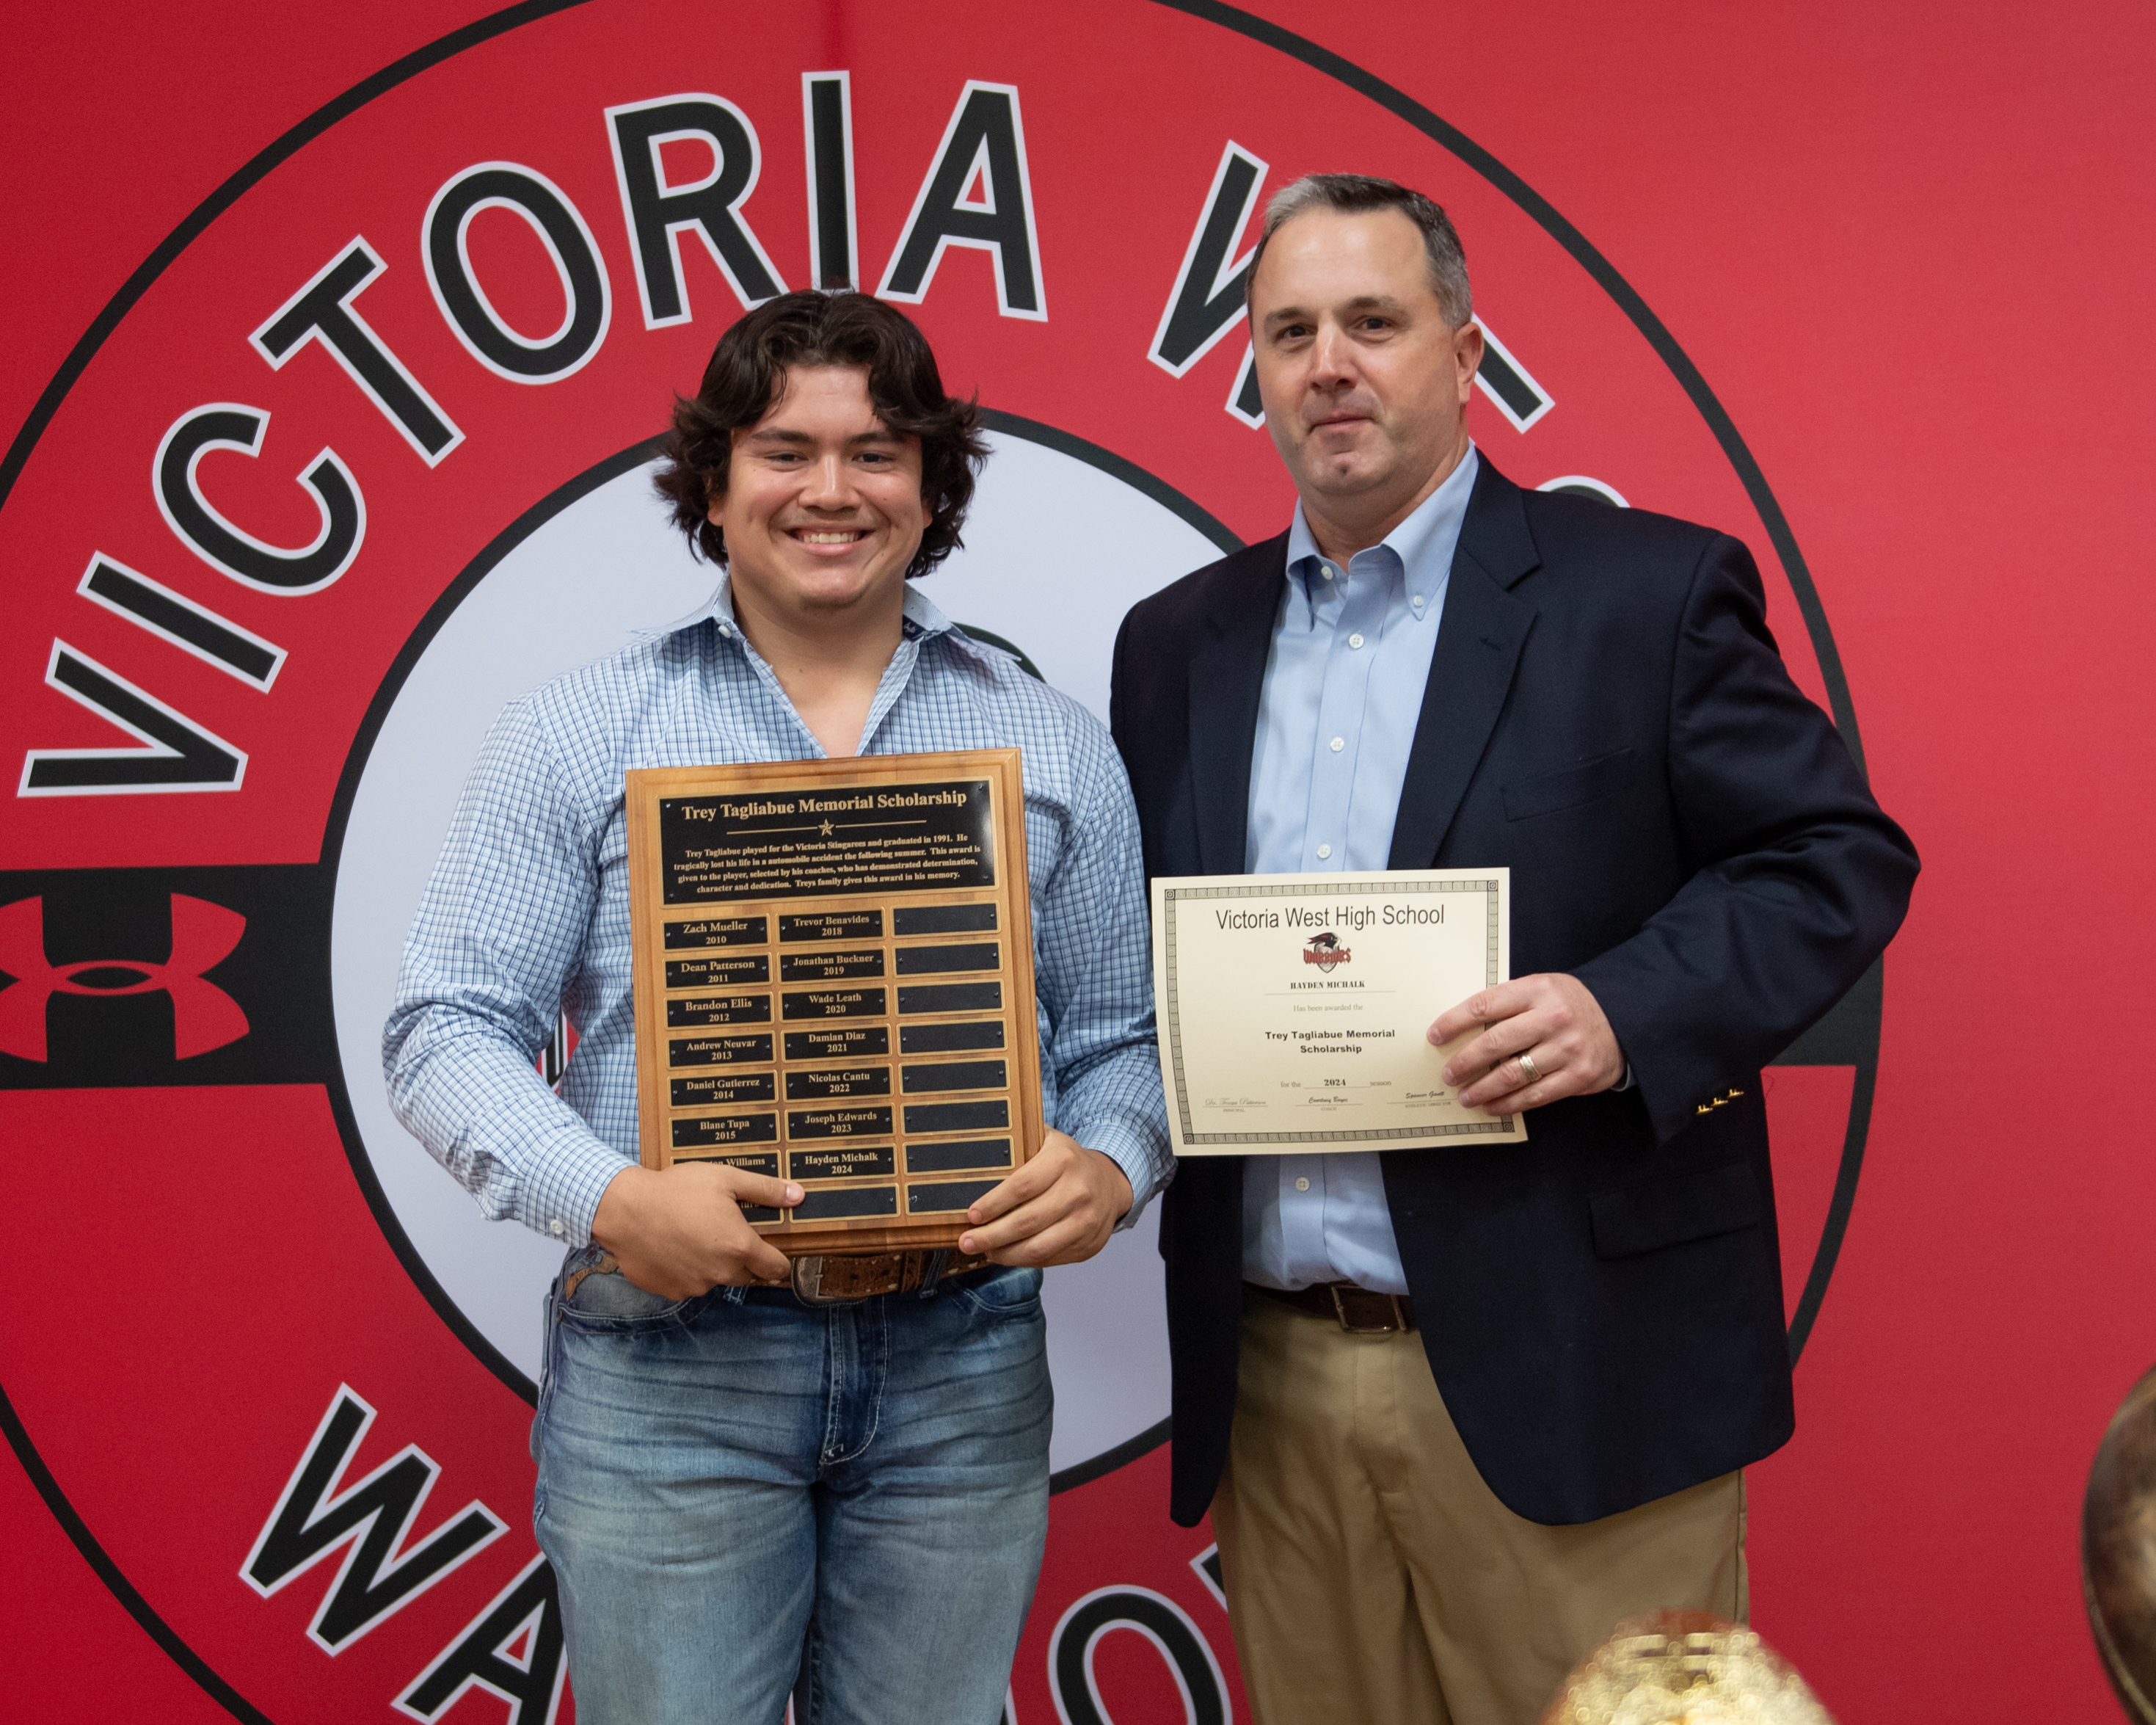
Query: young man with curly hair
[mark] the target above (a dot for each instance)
(746, 1495)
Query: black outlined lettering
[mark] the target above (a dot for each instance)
(1506, 382)
(512, 1649)
(658, 213)
(371, 1520)
(174, 617)
(1206, 1566)
(487, 336)
(323, 310)
(1582, 485)
(1208, 299)
(173, 753)
(1187, 1654)
(232, 550)
(984, 146)
(827, 122)
(1243, 400)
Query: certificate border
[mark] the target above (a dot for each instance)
(1492, 889)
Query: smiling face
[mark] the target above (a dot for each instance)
(1365, 384)
(823, 510)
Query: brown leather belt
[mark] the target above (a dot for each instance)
(1359, 1311)
(833, 1279)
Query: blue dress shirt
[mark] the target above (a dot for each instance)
(528, 908)
(1344, 684)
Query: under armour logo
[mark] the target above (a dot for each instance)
(204, 1017)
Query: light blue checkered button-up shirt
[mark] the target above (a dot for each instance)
(528, 908)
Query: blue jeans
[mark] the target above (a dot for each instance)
(743, 1496)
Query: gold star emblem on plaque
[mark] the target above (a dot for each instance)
(826, 829)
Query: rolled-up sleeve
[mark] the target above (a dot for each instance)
(495, 946)
(1094, 975)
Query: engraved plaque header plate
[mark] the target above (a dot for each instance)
(807, 896)
(843, 842)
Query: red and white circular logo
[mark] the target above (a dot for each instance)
(365, 457)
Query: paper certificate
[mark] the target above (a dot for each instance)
(1294, 1008)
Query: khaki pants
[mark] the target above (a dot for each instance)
(1371, 1576)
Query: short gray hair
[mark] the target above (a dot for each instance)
(1360, 193)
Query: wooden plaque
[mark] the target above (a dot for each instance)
(833, 973)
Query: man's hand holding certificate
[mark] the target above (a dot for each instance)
(1544, 1037)
(1295, 1010)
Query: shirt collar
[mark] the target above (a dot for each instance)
(921, 621)
(921, 617)
(1435, 522)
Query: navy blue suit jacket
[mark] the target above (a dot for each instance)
(1607, 716)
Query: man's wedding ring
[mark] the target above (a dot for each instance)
(1528, 1066)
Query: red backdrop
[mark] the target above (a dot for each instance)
(1904, 244)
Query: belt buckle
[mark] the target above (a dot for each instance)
(1340, 1310)
(808, 1284)
(808, 1278)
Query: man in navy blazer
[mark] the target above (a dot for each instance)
(1456, 1411)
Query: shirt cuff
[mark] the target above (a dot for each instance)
(1136, 1151)
(570, 1175)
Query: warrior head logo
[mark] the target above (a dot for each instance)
(1325, 951)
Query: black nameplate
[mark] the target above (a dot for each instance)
(831, 1003)
(720, 1009)
(838, 1122)
(712, 1129)
(828, 1206)
(929, 960)
(821, 1085)
(724, 1087)
(726, 1050)
(949, 1038)
(829, 966)
(729, 970)
(945, 1194)
(754, 1161)
(833, 925)
(961, 1153)
(957, 1075)
(852, 1163)
(943, 920)
(950, 997)
(841, 1042)
(719, 931)
(957, 1116)
(887, 838)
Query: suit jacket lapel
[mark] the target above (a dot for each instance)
(1226, 677)
(1481, 634)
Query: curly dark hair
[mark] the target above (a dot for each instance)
(807, 328)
